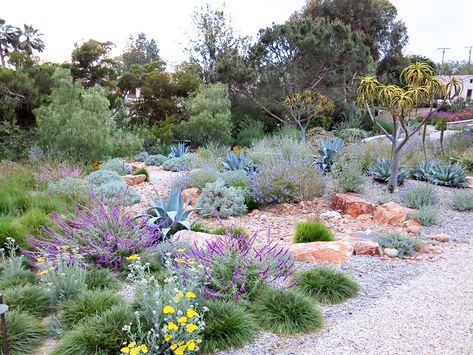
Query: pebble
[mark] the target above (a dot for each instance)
(391, 252)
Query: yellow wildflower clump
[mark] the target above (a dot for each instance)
(132, 257)
(134, 349)
(168, 309)
(190, 294)
(191, 313)
(191, 327)
(182, 320)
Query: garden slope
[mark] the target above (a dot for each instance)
(429, 314)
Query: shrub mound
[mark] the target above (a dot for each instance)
(312, 231)
(32, 299)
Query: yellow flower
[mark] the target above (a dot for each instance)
(144, 348)
(40, 259)
(180, 261)
(173, 347)
(191, 313)
(191, 327)
(182, 320)
(200, 265)
(190, 345)
(178, 297)
(124, 343)
(125, 350)
(167, 337)
(132, 257)
(43, 272)
(74, 250)
(199, 341)
(132, 344)
(180, 350)
(135, 351)
(64, 246)
(168, 309)
(172, 326)
(190, 294)
(192, 262)
(180, 250)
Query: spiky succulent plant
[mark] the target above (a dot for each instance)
(233, 161)
(451, 175)
(169, 215)
(422, 170)
(178, 150)
(381, 170)
(327, 151)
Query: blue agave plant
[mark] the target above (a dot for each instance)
(234, 161)
(170, 215)
(451, 175)
(422, 170)
(327, 151)
(178, 150)
(381, 171)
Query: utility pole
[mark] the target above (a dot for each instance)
(469, 54)
(443, 53)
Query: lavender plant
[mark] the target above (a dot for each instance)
(236, 268)
(105, 235)
(47, 173)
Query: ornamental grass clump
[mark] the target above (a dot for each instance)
(25, 332)
(419, 196)
(312, 231)
(427, 216)
(104, 235)
(28, 298)
(326, 285)
(142, 171)
(462, 200)
(100, 279)
(236, 268)
(286, 312)
(227, 325)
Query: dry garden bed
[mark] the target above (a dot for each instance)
(211, 250)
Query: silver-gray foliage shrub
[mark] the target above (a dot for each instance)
(216, 198)
(101, 176)
(116, 192)
(201, 177)
(116, 164)
(178, 164)
(462, 200)
(156, 160)
(69, 185)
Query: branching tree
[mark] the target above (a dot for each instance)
(420, 87)
(9, 39)
(140, 51)
(30, 40)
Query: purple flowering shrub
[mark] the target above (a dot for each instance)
(286, 179)
(49, 173)
(102, 234)
(234, 267)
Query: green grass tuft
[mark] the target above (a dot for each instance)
(101, 279)
(98, 335)
(25, 333)
(462, 200)
(227, 325)
(312, 231)
(85, 305)
(419, 196)
(286, 312)
(28, 298)
(427, 216)
(234, 230)
(142, 171)
(326, 285)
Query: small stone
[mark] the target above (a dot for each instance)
(330, 214)
(411, 226)
(133, 180)
(442, 237)
(391, 252)
(367, 248)
(469, 180)
(367, 235)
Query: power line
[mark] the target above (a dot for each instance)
(443, 49)
(469, 54)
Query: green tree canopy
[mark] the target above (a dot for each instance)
(376, 19)
(140, 51)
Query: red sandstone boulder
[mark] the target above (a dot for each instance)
(364, 247)
(442, 237)
(391, 213)
(411, 226)
(194, 238)
(352, 205)
(133, 180)
(193, 193)
(322, 252)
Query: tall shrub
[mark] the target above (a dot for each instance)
(77, 125)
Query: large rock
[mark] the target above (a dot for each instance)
(391, 213)
(352, 205)
(322, 252)
(469, 180)
(193, 193)
(133, 180)
(364, 247)
(194, 238)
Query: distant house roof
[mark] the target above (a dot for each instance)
(447, 78)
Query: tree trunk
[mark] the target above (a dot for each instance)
(2, 56)
(424, 135)
(392, 183)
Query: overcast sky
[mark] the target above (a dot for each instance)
(430, 23)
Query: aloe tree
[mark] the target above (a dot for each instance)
(420, 87)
